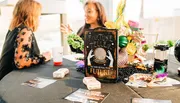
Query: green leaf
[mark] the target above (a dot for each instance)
(170, 43)
(76, 45)
(82, 46)
(145, 47)
(70, 41)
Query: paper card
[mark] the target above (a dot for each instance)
(38, 82)
(86, 96)
(145, 100)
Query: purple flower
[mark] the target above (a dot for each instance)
(162, 75)
(80, 64)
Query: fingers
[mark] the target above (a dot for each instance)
(68, 26)
(91, 51)
(108, 57)
(109, 52)
(47, 55)
(91, 56)
(63, 26)
(63, 30)
(66, 29)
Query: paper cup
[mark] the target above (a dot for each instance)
(57, 53)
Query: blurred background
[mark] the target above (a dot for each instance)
(160, 17)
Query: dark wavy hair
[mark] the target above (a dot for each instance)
(101, 16)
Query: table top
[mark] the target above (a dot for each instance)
(12, 91)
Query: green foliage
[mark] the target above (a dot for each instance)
(76, 41)
(170, 43)
(82, 46)
(145, 47)
(76, 45)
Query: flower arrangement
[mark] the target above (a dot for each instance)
(130, 36)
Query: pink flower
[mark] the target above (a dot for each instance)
(133, 24)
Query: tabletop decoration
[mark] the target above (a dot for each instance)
(131, 38)
(80, 66)
(132, 45)
(75, 42)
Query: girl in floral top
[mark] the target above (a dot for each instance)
(20, 49)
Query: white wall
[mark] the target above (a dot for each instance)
(53, 6)
(132, 9)
(167, 27)
(8, 2)
(108, 5)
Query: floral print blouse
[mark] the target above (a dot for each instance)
(23, 56)
(20, 50)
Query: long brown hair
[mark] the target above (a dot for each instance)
(26, 12)
(101, 16)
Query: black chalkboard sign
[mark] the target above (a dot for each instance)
(101, 54)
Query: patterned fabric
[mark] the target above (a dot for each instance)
(23, 46)
(19, 50)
